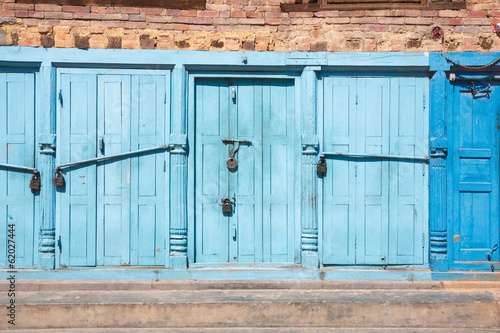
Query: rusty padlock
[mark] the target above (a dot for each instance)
(227, 206)
(35, 183)
(231, 163)
(58, 180)
(321, 167)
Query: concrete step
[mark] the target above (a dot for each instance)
(262, 330)
(302, 307)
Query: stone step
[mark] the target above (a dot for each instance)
(294, 306)
(261, 330)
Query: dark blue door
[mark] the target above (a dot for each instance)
(474, 170)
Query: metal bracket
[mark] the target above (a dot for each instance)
(439, 152)
(47, 148)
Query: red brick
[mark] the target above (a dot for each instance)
(300, 14)
(75, 23)
(329, 13)
(452, 13)
(455, 21)
(129, 10)
(202, 20)
(153, 11)
(372, 27)
(36, 14)
(157, 19)
(477, 14)
(173, 12)
(22, 13)
(238, 14)
(48, 8)
(273, 21)
(252, 21)
(76, 9)
(419, 20)
(4, 13)
(106, 10)
(208, 13)
(189, 13)
(134, 25)
(352, 13)
(87, 16)
(59, 15)
(391, 20)
(18, 6)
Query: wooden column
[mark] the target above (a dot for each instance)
(309, 179)
(178, 169)
(437, 174)
(46, 151)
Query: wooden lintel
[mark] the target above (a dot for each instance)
(305, 7)
(170, 4)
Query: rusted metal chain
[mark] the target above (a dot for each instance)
(473, 67)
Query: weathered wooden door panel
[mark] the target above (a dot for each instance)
(17, 111)
(474, 173)
(147, 174)
(372, 174)
(113, 189)
(339, 190)
(371, 206)
(261, 225)
(77, 132)
(112, 212)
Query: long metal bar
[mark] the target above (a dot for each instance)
(243, 142)
(18, 167)
(389, 157)
(102, 158)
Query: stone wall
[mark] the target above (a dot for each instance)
(250, 25)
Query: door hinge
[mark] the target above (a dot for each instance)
(164, 166)
(423, 240)
(423, 169)
(424, 102)
(164, 243)
(165, 98)
(356, 99)
(355, 171)
(355, 241)
(60, 97)
(59, 243)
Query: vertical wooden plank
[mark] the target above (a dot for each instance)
(17, 147)
(147, 212)
(113, 198)
(77, 141)
(339, 183)
(212, 107)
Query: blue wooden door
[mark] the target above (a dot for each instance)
(17, 141)
(112, 212)
(374, 209)
(473, 179)
(261, 227)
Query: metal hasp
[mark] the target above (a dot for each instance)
(98, 159)
(495, 247)
(231, 162)
(227, 205)
(387, 157)
(35, 180)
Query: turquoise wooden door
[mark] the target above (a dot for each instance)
(374, 209)
(112, 212)
(261, 228)
(17, 143)
(474, 172)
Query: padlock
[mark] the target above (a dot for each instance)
(321, 167)
(227, 206)
(35, 183)
(231, 163)
(58, 180)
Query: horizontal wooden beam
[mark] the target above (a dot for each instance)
(170, 4)
(371, 5)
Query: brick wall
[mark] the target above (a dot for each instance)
(250, 25)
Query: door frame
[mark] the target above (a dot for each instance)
(359, 73)
(113, 71)
(191, 196)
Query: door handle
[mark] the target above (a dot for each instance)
(234, 231)
(101, 144)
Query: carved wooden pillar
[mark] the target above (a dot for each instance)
(309, 181)
(178, 167)
(437, 174)
(46, 149)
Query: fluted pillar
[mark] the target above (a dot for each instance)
(178, 169)
(46, 149)
(437, 175)
(309, 179)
